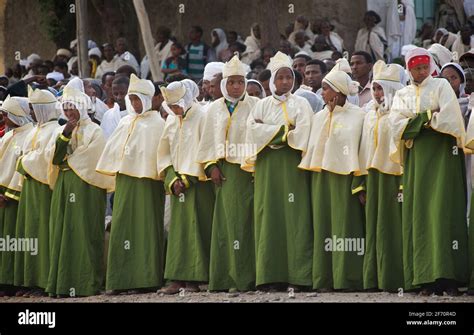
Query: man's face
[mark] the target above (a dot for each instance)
(119, 93)
(215, 88)
(284, 81)
(299, 64)
(108, 53)
(235, 86)
(313, 76)
(420, 72)
(360, 68)
(107, 87)
(88, 89)
(121, 46)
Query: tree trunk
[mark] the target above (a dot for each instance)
(267, 18)
(147, 37)
(82, 39)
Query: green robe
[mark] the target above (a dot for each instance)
(189, 237)
(383, 261)
(7, 228)
(136, 246)
(33, 222)
(232, 263)
(338, 221)
(282, 214)
(434, 207)
(77, 244)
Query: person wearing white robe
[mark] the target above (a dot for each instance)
(371, 38)
(253, 44)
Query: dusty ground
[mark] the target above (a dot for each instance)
(251, 297)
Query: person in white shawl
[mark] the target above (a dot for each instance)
(219, 42)
(278, 127)
(35, 200)
(15, 112)
(383, 262)
(332, 155)
(192, 200)
(400, 25)
(428, 137)
(78, 202)
(253, 44)
(223, 149)
(130, 156)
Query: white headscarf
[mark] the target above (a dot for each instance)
(20, 121)
(256, 82)
(227, 95)
(185, 102)
(192, 90)
(340, 82)
(212, 69)
(462, 87)
(389, 90)
(273, 88)
(46, 112)
(79, 100)
(146, 103)
(222, 40)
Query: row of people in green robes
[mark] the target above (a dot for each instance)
(264, 193)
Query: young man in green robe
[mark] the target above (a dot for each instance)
(136, 248)
(383, 261)
(428, 128)
(19, 123)
(338, 217)
(223, 149)
(279, 128)
(78, 203)
(192, 201)
(32, 268)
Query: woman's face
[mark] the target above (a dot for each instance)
(378, 93)
(328, 93)
(420, 72)
(71, 112)
(235, 86)
(453, 77)
(284, 80)
(136, 103)
(254, 90)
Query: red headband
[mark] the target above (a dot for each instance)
(417, 60)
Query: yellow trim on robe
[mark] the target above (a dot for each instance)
(64, 138)
(185, 181)
(12, 196)
(358, 189)
(209, 164)
(170, 185)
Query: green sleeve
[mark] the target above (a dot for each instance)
(170, 178)
(60, 152)
(280, 137)
(415, 125)
(358, 184)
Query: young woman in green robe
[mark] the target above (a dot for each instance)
(428, 128)
(192, 201)
(136, 248)
(222, 148)
(338, 218)
(279, 128)
(383, 261)
(19, 123)
(31, 269)
(78, 203)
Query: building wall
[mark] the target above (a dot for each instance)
(22, 30)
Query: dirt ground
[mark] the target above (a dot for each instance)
(252, 297)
